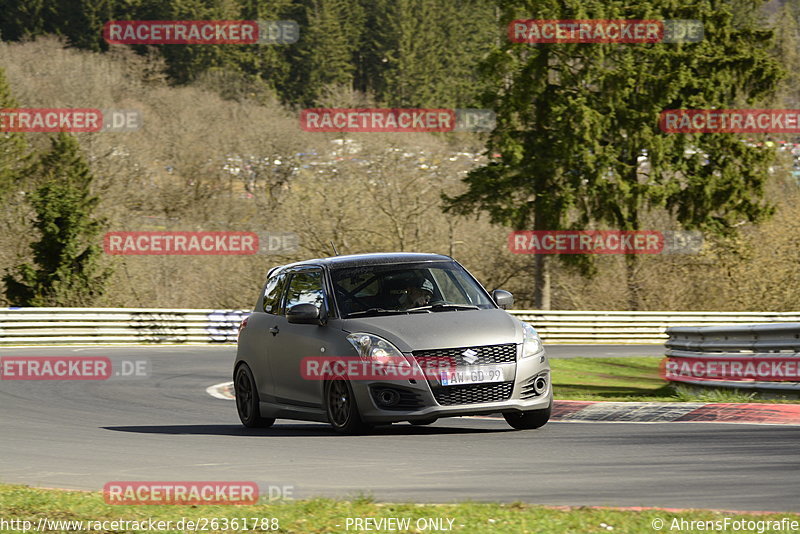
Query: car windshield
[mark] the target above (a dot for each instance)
(406, 288)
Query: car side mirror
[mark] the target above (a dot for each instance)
(305, 313)
(503, 298)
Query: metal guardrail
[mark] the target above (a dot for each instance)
(754, 356)
(56, 326)
(647, 327)
(31, 326)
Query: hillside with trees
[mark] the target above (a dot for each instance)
(221, 148)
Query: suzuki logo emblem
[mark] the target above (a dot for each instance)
(470, 356)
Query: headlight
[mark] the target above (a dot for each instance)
(374, 348)
(531, 343)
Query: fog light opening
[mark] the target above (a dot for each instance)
(540, 385)
(388, 397)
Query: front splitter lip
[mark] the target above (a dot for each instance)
(461, 410)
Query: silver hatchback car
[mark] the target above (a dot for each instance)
(371, 339)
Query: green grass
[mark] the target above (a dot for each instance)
(636, 379)
(323, 515)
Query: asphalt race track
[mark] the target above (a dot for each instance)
(82, 434)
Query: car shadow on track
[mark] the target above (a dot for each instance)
(300, 430)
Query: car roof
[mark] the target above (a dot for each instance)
(377, 258)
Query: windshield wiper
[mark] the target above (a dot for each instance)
(376, 311)
(446, 306)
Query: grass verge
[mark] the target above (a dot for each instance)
(637, 379)
(20, 503)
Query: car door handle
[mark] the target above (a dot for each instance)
(274, 330)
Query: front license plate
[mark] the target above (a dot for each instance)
(473, 375)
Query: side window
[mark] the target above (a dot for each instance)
(272, 294)
(305, 287)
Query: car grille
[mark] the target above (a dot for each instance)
(473, 393)
(486, 354)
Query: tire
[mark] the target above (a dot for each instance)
(340, 405)
(424, 422)
(528, 420)
(247, 402)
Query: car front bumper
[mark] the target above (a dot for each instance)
(427, 407)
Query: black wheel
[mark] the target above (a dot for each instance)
(247, 400)
(424, 422)
(528, 420)
(341, 407)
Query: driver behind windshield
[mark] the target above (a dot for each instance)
(418, 293)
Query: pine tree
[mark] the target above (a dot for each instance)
(331, 33)
(14, 150)
(787, 37)
(427, 51)
(185, 62)
(574, 121)
(22, 18)
(79, 21)
(66, 271)
(732, 67)
(268, 65)
(412, 51)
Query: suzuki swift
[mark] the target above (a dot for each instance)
(372, 339)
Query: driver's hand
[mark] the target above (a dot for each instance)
(418, 297)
